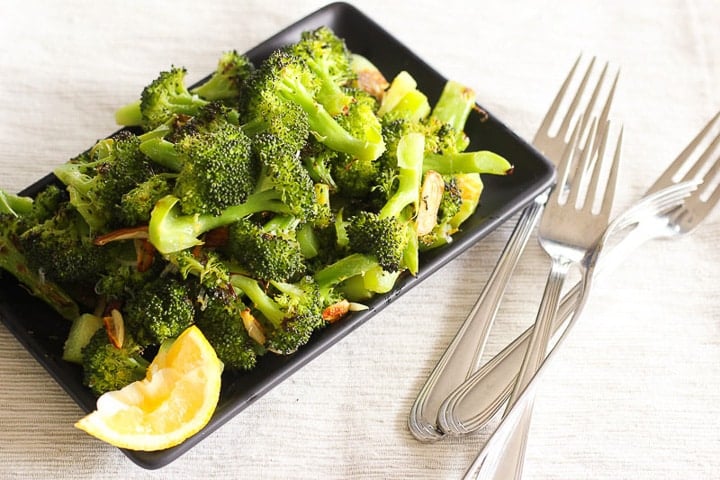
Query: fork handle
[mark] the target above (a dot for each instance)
(542, 330)
(469, 407)
(465, 351)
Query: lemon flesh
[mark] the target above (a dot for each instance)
(175, 400)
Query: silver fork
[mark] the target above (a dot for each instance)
(464, 353)
(506, 435)
(473, 404)
(570, 231)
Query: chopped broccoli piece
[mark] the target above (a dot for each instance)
(159, 310)
(218, 172)
(107, 368)
(97, 179)
(226, 82)
(15, 219)
(265, 254)
(221, 323)
(170, 231)
(292, 311)
(163, 98)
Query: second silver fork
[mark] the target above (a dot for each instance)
(462, 356)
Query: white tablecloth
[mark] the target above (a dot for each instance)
(636, 391)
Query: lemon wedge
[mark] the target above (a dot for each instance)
(174, 401)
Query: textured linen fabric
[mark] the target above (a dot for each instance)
(636, 391)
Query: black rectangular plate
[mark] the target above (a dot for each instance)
(43, 332)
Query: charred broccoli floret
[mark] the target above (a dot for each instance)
(107, 368)
(97, 180)
(159, 310)
(226, 82)
(163, 98)
(221, 322)
(291, 312)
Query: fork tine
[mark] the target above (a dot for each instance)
(700, 164)
(593, 164)
(585, 165)
(567, 167)
(552, 111)
(609, 197)
(671, 172)
(565, 125)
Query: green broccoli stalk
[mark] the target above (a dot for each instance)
(171, 231)
(227, 80)
(292, 311)
(18, 213)
(482, 161)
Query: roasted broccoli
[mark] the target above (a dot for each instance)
(163, 98)
(258, 206)
(265, 253)
(226, 82)
(17, 214)
(97, 179)
(107, 367)
(220, 320)
(291, 312)
(159, 310)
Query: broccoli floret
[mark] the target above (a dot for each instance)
(291, 311)
(284, 171)
(163, 98)
(263, 253)
(384, 237)
(136, 205)
(171, 231)
(159, 310)
(159, 143)
(107, 368)
(354, 176)
(286, 76)
(203, 264)
(329, 58)
(219, 170)
(123, 280)
(226, 82)
(17, 214)
(62, 248)
(97, 179)
(221, 323)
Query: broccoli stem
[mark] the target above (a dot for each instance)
(14, 262)
(15, 205)
(482, 161)
(163, 153)
(410, 162)
(454, 105)
(169, 231)
(267, 306)
(347, 267)
(329, 131)
(129, 115)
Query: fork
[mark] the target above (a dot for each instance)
(570, 232)
(473, 404)
(463, 354)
